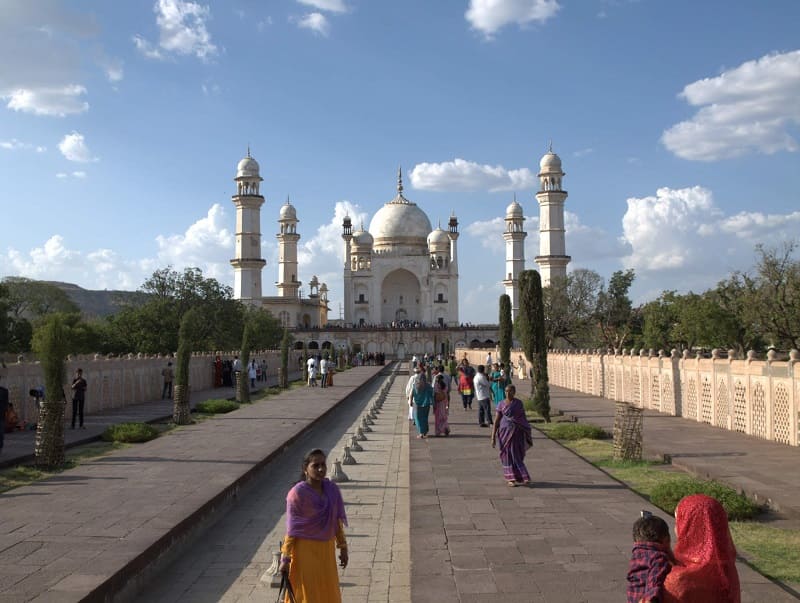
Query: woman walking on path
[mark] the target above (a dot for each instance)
(705, 570)
(421, 398)
(315, 521)
(513, 432)
(441, 406)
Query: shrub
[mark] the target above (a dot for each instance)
(737, 506)
(216, 406)
(130, 432)
(577, 431)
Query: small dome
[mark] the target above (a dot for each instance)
(550, 162)
(438, 239)
(362, 239)
(288, 212)
(247, 168)
(514, 210)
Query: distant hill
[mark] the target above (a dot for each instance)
(100, 303)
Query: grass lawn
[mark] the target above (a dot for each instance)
(774, 552)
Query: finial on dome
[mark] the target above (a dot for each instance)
(515, 196)
(550, 146)
(287, 200)
(399, 180)
(248, 149)
(439, 223)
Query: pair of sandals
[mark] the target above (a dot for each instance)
(527, 484)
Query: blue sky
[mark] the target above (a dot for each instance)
(121, 124)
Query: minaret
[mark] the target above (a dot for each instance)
(347, 235)
(514, 236)
(288, 284)
(247, 264)
(452, 232)
(552, 258)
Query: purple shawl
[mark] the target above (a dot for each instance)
(311, 516)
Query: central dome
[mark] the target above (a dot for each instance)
(400, 222)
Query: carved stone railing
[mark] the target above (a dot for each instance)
(114, 382)
(757, 397)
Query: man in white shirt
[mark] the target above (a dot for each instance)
(483, 395)
(323, 370)
(311, 364)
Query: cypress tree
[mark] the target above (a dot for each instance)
(181, 412)
(285, 359)
(532, 334)
(243, 387)
(51, 344)
(505, 331)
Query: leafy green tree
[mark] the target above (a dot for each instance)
(31, 299)
(615, 316)
(570, 306)
(737, 299)
(534, 342)
(775, 287)
(286, 341)
(265, 330)
(505, 329)
(51, 342)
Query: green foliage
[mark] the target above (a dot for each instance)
(669, 494)
(505, 329)
(615, 314)
(191, 324)
(153, 326)
(216, 406)
(532, 334)
(33, 299)
(265, 330)
(51, 343)
(286, 342)
(130, 433)
(569, 309)
(576, 431)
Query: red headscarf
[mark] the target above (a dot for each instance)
(706, 557)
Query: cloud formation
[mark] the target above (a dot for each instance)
(14, 145)
(460, 175)
(182, 31)
(316, 22)
(73, 148)
(43, 45)
(750, 108)
(334, 6)
(489, 16)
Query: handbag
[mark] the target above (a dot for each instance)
(285, 593)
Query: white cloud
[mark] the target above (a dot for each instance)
(14, 145)
(44, 45)
(750, 108)
(182, 31)
(207, 244)
(662, 230)
(73, 147)
(759, 226)
(334, 6)
(77, 174)
(583, 152)
(489, 16)
(59, 101)
(316, 22)
(460, 175)
(113, 69)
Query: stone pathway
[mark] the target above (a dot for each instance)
(228, 562)
(567, 539)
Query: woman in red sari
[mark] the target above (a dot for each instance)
(705, 570)
(513, 432)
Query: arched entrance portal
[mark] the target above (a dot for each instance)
(400, 292)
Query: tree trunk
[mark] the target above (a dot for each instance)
(242, 387)
(627, 432)
(49, 446)
(181, 413)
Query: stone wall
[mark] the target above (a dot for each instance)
(756, 397)
(124, 381)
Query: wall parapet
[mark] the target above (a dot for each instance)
(756, 397)
(119, 381)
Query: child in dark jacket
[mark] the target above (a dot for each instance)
(651, 560)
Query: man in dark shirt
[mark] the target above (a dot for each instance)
(78, 397)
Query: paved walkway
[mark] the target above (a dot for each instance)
(766, 471)
(86, 533)
(567, 539)
(228, 562)
(18, 446)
